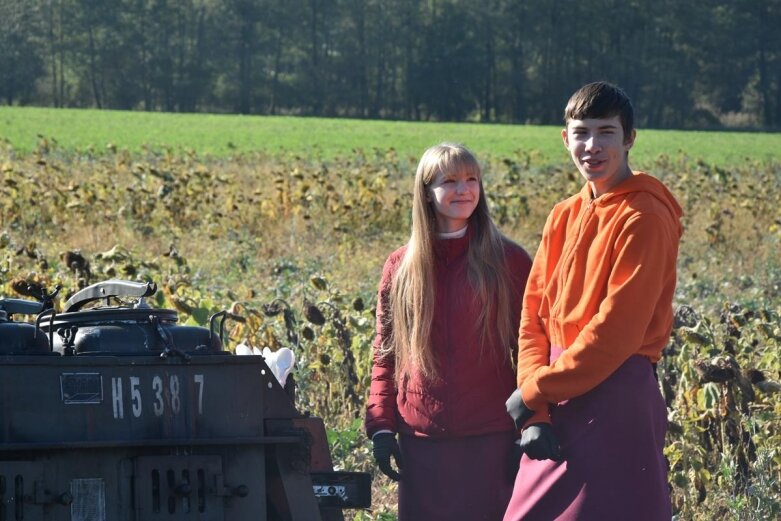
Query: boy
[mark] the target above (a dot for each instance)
(596, 316)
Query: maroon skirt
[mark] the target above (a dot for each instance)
(468, 479)
(611, 441)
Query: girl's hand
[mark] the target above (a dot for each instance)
(385, 446)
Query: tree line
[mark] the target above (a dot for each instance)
(704, 64)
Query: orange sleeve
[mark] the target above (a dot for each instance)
(644, 257)
(533, 343)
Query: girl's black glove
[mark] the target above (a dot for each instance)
(539, 442)
(385, 446)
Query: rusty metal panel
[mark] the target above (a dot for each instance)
(174, 488)
(18, 491)
(62, 400)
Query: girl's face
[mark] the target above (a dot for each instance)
(454, 197)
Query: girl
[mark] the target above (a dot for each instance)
(447, 320)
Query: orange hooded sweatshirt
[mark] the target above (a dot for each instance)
(601, 288)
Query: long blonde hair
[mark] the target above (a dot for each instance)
(412, 295)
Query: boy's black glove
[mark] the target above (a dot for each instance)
(385, 446)
(539, 442)
(517, 409)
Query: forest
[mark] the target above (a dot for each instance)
(691, 65)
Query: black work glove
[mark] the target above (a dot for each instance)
(385, 446)
(539, 442)
(517, 409)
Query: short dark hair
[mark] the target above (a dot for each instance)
(601, 100)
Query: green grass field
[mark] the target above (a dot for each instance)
(319, 138)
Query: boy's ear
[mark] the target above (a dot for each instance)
(565, 137)
(630, 139)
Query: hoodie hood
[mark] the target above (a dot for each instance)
(638, 182)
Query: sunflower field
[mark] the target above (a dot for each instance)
(293, 247)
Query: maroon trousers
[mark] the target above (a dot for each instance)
(464, 479)
(611, 440)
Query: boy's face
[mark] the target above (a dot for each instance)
(599, 149)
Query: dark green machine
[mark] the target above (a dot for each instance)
(116, 413)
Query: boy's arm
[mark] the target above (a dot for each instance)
(644, 259)
(533, 343)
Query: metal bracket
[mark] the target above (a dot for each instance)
(222, 490)
(169, 348)
(107, 289)
(44, 496)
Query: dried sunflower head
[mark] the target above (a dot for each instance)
(307, 333)
(313, 314)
